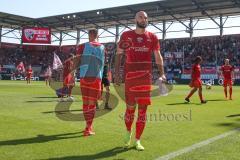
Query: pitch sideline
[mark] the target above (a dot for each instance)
(197, 145)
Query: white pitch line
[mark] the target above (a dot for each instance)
(197, 145)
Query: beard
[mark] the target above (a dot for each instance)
(143, 26)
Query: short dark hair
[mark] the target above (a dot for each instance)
(198, 59)
(93, 31)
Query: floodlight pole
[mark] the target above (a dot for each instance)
(21, 40)
(60, 39)
(191, 28)
(164, 32)
(78, 37)
(117, 34)
(221, 25)
(0, 36)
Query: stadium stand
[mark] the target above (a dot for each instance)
(214, 49)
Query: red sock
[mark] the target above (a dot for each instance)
(200, 96)
(190, 94)
(225, 91)
(89, 112)
(129, 118)
(141, 121)
(230, 92)
(70, 91)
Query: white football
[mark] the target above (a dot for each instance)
(208, 86)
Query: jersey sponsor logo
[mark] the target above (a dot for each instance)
(141, 49)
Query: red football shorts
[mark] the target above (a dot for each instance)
(196, 83)
(29, 76)
(227, 82)
(90, 88)
(69, 80)
(138, 88)
(47, 77)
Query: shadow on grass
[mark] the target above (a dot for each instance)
(183, 103)
(233, 115)
(231, 125)
(186, 103)
(42, 101)
(101, 155)
(46, 97)
(66, 111)
(41, 139)
(216, 100)
(38, 101)
(63, 111)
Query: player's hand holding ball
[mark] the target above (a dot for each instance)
(163, 78)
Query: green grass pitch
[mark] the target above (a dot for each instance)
(30, 129)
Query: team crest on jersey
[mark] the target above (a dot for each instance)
(29, 34)
(139, 39)
(125, 44)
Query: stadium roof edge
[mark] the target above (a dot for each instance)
(7, 19)
(107, 8)
(168, 10)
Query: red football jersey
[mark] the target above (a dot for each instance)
(227, 71)
(196, 71)
(29, 71)
(67, 66)
(139, 52)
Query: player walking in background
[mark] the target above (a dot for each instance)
(68, 78)
(48, 74)
(138, 45)
(91, 56)
(106, 85)
(29, 73)
(20, 69)
(196, 83)
(227, 72)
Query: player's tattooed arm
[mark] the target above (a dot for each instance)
(159, 62)
(119, 55)
(76, 62)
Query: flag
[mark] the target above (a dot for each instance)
(20, 67)
(56, 62)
